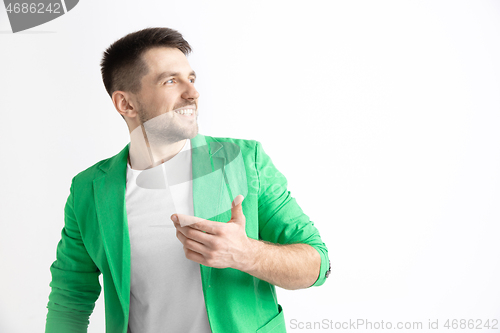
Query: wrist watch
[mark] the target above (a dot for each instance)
(327, 274)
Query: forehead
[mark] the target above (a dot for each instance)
(161, 59)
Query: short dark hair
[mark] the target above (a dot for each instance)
(122, 65)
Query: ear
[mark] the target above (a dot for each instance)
(124, 103)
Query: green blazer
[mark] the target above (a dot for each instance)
(95, 239)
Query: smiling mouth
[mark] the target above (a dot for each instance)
(186, 111)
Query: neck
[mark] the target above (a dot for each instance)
(145, 155)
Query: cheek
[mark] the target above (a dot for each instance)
(160, 102)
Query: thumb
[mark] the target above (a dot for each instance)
(237, 209)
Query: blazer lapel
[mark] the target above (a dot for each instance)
(219, 175)
(207, 178)
(109, 194)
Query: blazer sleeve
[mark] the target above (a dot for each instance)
(75, 283)
(281, 220)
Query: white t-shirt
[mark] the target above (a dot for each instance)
(165, 287)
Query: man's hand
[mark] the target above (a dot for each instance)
(222, 245)
(216, 244)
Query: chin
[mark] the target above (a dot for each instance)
(195, 133)
(191, 134)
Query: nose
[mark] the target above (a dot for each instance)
(190, 92)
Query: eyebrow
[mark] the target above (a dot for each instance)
(163, 75)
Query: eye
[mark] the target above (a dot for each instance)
(170, 81)
(192, 80)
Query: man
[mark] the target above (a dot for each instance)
(190, 232)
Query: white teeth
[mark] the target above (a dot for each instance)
(189, 111)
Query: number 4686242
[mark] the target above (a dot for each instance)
(33, 8)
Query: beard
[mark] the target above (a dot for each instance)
(163, 129)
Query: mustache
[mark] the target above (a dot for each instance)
(184, 105)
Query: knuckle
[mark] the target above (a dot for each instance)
(191, 232)
(216, 244)
(189, 243)
(210, 256)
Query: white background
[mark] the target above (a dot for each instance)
(383, 115)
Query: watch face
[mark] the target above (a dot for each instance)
(327, 274)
